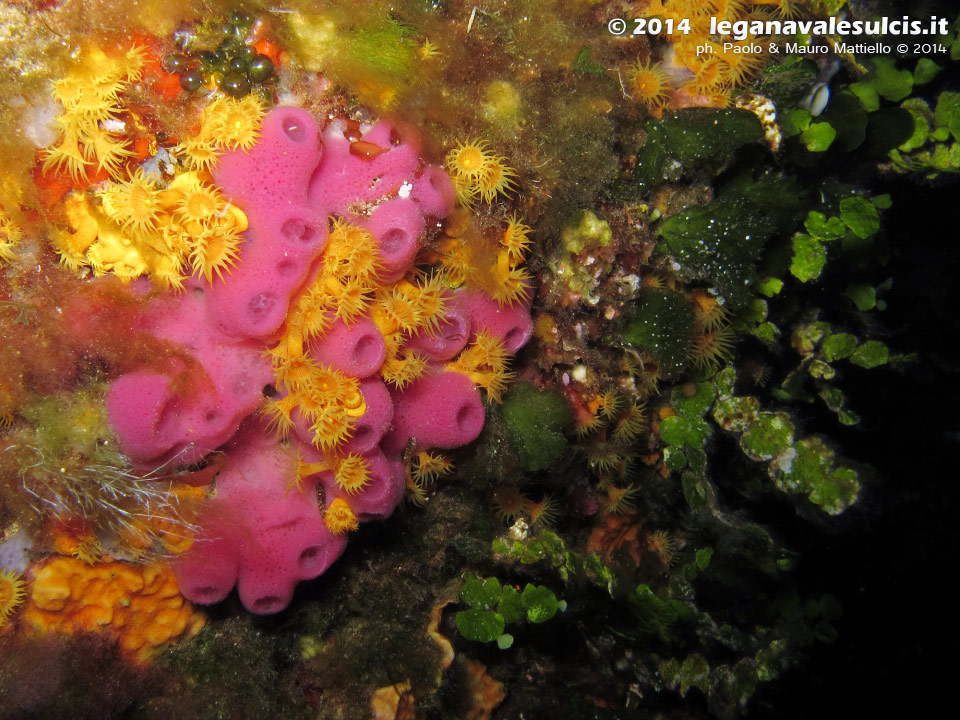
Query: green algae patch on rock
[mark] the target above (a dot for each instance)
(883, 80)
(818, 137)
(736, 413)
(947, 113)
(871, 354)
(479, 625)
(684, 432)
(663, 326)
(697, 135)
(479, 592)
(534, 421)
(809, 258)
(540, 603)
(693, 137)
(838, 346)
(810, 469)
(722, 243)
(656, 615)
(768, 436)
(860, 215)
(697, 403)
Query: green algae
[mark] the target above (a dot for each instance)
(721, 243)
(534, 421)
(693, 137)
(663, 326)
(591, 232)
(493, 606)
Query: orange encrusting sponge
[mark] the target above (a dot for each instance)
(139, 605)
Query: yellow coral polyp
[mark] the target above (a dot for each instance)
(620, 501)
(351, 473)
(427, 466)
(497, 179)
(648, 84)
(11, 594)
(351, 252)
(339, 517)
(215, 251)
(469, 159)
(199, 152)
(10, 236)
(133, 204)
(234, 123)
(485, 363)
(90, 94)
(516, 239)
(478, 173)
(511, 284)
(402, 368)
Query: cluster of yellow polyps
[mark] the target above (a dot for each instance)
(422, 469)
(90, 97)
(477, 173)
(324, 397)
(610, 425)
(403, 310)
(498, 272)
(140, 229)
(227, 124)
(350, 471)
(511, 503)
(10, 235)
(713, 336)
(485, 362)
(716, 72)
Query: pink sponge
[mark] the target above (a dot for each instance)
(510, 323)
(193, 401)
(397, 226)
(257, 532)
(345, 177)
(286, 233)
(356, 350)
(452, 335)
(441, 409)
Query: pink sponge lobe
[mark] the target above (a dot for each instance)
(274, 174)
(343, 178)
(396, 225)
(433, 191)
(440, 409)
(452, 334)
(356, 350)
(137, 402)
(511, 323)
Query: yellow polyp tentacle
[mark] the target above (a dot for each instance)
(354, 405)
(503, 264)
(332, 285)
(385, 323)
(239, 218)
(294, 343)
